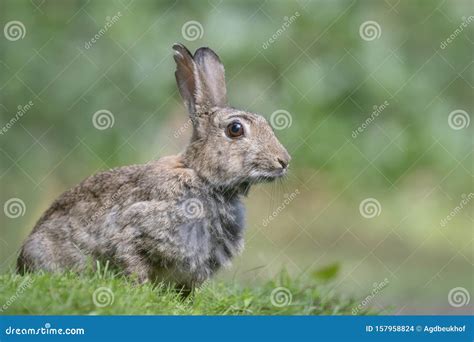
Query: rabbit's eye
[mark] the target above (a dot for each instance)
(235, 129)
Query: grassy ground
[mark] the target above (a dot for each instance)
(103, 293)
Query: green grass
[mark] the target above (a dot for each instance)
(59, 294)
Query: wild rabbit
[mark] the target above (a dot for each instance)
(178, 219)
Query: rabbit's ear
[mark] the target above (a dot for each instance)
(211, 71)
(187, 77)
(200, 79)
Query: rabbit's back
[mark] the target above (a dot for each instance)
(91, 201)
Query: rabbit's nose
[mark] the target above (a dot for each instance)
(283, 163)
(284, 159)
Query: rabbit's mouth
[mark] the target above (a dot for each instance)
(268, 179)
(268, 176)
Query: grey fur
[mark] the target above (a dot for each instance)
(178, 219)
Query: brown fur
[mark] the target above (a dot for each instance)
(179, 218)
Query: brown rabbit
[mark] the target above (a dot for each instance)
(177, 219)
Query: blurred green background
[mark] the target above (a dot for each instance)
(319, 68)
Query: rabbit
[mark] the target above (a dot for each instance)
(178, 219)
